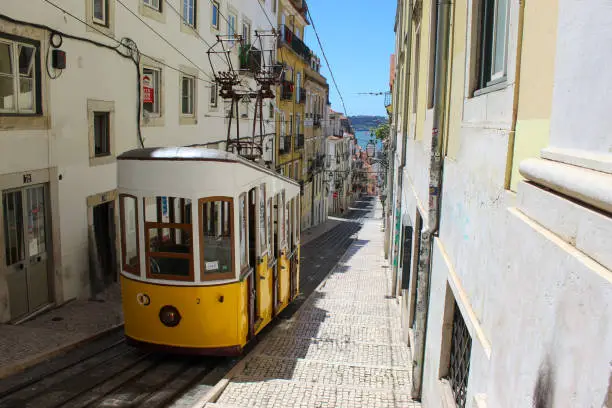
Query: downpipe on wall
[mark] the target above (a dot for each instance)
(435, 190)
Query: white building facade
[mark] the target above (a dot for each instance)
(60, 134)
(501, 245)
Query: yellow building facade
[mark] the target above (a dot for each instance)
(294, 55)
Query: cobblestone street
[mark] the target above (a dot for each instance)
(341, 349)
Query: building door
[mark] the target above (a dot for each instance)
(104, 230)
(26, 231)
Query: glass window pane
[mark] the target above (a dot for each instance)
(26, 94)
(130, 231)
(6, 60)
(500, 37)
(174, 240)
(216, 237)
(98, 9)
(242, 221)
(26, 61)
(13, 227)
(7, 98)
(36, 220)
(262, 218)
(101, 133)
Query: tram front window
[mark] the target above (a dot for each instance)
(216, 229)
(169, 238)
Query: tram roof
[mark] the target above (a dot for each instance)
(195, 153)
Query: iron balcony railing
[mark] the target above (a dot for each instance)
(250, 58)
(286, 90)
(288, 37)
(285, 144)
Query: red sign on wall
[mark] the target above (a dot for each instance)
(147, 90)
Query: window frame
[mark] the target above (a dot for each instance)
(243, 241)
(231, 25)
(94, 106)
(148, 3)
(13, 42)
(157, 92)
(193, 95)
(105, 9)
(134, 270)
(215, 14)
(487, 38)
(246, 25)
(107, 115)
(213, 101)
(212, 276)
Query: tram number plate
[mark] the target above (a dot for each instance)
(212, 266)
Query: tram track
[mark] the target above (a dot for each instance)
(107, 372)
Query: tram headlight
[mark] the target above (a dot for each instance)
(169, 316)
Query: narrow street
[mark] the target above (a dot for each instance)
(107, 372)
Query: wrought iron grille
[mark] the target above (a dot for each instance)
(461, 348)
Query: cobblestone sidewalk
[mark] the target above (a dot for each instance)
(341, 349)
(58, 330)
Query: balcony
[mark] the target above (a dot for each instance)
(250, 58)
(301, 7)
(316, 120)
(286, 90)
(284, 144)
(289, 38)
(299, 141)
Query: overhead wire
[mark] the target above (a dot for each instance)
(327, 62)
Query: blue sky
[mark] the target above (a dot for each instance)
(358, 39)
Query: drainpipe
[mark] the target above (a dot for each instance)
(435, 189)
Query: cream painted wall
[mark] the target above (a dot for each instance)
(536, 82)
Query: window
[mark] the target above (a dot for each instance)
(415, 85)
(151, 84)
(242, 231)
(274, 6)
(493, 42)
(295, 172)
(215, 14)
(298, 84)
(101, 134)
(100, 12)
(213, 95)
(270, 230)
(271, 111)
(129, 233)
(263, 239)
(154, 4)
(19, 73)
(169, 243)
(246, 33)
(187, 95)
(189, 12)
(459, 365)
(231, 25)
(216, 238)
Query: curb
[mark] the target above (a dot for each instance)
(214, 393)
(23, 364)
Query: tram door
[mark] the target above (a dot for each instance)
(276, 250)
(24, 214)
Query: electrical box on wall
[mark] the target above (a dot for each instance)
(58, 59)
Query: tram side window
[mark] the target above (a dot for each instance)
(216, 229)
(129, 233)
(169, 230)
(243, 232)
(270, 229)
(263, 239)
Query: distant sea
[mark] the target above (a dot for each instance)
(363, 138)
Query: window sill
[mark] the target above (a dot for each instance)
(24, 122)
(492, 87)
(188, 29)
(188, 120)
(151, 13)
(102, 160)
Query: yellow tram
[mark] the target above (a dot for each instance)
(210, 248)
